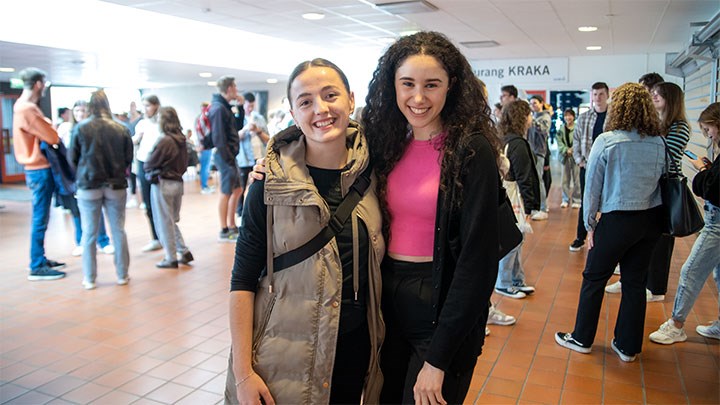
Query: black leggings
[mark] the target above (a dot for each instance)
(352, 357)
(409, 316)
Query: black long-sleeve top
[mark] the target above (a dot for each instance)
(522, 170)
(706, 183)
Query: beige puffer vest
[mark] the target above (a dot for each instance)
(297, 310)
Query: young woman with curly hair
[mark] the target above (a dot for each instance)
(669, 102)
(623, 170)
(434, 150)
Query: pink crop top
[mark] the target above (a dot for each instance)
(412, 193)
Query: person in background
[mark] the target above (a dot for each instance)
(102, 150)
(428, 122)
(134, 117)
(513, 126)
(319, 341)
(497, 112)
(167, 163)
(147, 133)
(254, 136)
(589, 126)
(227, 145)
(623, 173)
(30, 127)
(704, 257)
(571, 193)
(649, 80)
(508, 94)
(202, 129)
(669, 102)
(64, 124)
(538, 139)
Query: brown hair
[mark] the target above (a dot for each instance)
(710, 116)
(674, 104)
(514, 118)
(632, 110)
(169, 121)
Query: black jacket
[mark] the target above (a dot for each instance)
(223, 130)
(465, 262)
(102, 151)
(169, 158)
(706, 183)
(522, 170)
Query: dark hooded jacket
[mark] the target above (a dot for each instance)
(169, 158)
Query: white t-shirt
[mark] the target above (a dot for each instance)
(150, 135)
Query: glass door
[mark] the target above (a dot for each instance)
(10, 170)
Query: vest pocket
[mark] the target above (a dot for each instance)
(267, 303)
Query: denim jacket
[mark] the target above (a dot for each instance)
(622, 174)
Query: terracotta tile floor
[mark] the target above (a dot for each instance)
(164, 339)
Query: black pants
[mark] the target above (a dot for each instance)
(145, 191)
(132, 183)
(628, 238)
(581, 231)
(409, 316)
(660, 260)
(352, 357)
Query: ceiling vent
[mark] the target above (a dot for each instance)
(407, 7)
(479, 44)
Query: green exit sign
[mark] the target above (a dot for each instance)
(16, 83)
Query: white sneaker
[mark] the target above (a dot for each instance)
(131, 203)
(108, 250)
(207, 190)
(152, 245)
(575, 205)
(123, 281)
(614, 288)
(88, 285)
(497, 317)
(668, 334)
(712, 331)
(142, 206)
(650, 297)
(627, 358)
(487, 331)
(539, 216)
(78, 251)
(617, 270)
(564, 204)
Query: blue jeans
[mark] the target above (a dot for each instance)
(539, 165)
(510, 269)
(103, 238)
(42, 185)
(704, 258)
(205, 157)
(91, 203)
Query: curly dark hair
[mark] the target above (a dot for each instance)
(632, 109)
(514, 118)
(465, 116)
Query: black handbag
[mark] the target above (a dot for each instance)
(682, 215)
(509, 235)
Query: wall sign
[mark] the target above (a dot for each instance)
(521, 71)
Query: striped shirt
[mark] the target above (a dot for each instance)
(677, 139)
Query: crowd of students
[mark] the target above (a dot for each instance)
(367, 255)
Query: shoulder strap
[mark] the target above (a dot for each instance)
(334, 226)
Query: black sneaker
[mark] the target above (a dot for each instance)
(45, 273)
(167, 264)
(185, 258)
(511, 292)
(54, 265)
(577, 245)
(566, 340)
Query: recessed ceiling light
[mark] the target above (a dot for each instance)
(212, 83)
(593, 48)
(271, 81)
(205, 74)
(313, 16)
(588, 28)
(7, 69)
(479, 44)
(407, 7)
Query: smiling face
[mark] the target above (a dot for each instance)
(569, 119)
(421, 86)
(535, 105)
(321, 105)
(79, 112)
(658, 101)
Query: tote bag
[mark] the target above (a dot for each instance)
(682, 215)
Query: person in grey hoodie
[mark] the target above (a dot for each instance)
(164, 170)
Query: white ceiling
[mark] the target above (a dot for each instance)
(523, 29)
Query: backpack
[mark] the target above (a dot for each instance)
(203, 128)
